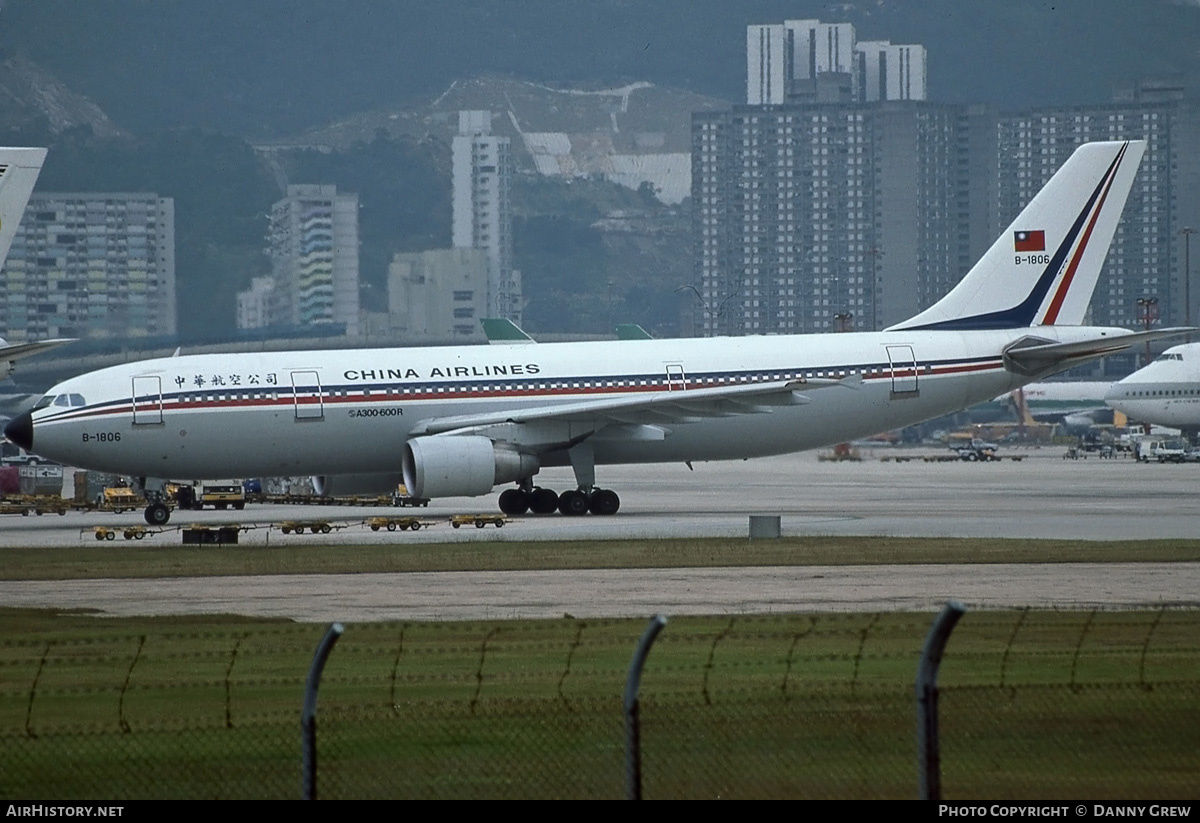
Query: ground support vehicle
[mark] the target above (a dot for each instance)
(311, 526)
(118, 499)
(404, 500)
(39, 504)
(480, 520)
(128, 532)
(393, 523)
(221, 494)
(977, 450)
(1161, 451)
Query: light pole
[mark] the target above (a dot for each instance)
(1187, 232)
(1149, 307)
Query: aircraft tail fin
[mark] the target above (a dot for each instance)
(1043, 269)
(501, 330)
(19, 169)
(632, 331)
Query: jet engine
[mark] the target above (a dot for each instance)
(461, 466)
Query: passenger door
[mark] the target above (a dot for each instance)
(309, 400)
(147, 400)
(903, 364)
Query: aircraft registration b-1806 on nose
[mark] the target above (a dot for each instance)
(460, 420)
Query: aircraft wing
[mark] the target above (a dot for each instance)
(1032, 356)
(681, 406)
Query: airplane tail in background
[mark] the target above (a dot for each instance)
(1043, 269)
(19, 169)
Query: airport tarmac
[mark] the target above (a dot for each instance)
(1042, 496)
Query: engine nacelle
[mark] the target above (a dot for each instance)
(466, 466)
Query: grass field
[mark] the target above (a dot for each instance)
(122, 559)
(1035, 704)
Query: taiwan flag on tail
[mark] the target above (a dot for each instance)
(1029, 240)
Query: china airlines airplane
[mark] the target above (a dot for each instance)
(1165, 392)
(19, 170)
(461, 420)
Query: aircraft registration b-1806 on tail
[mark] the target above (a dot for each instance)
(460, 420)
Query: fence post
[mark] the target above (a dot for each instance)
(929, 759)
(308, 717)
(633, 753)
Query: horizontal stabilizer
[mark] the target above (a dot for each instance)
(1035, 356)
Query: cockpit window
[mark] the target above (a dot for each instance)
(1168, 356)
(71, 401)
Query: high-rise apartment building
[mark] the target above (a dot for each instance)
(437, 295)
(1147, 257)
(814, 205)
(91, 265)
(807, 61)
(313, 245)
(482, 217)
(820, 217)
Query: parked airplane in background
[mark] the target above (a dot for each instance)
(457, 421)
(19, 170)
(1165, 392)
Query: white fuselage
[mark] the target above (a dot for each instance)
(1165, 392)
(351, 411)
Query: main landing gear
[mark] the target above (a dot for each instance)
(587, 498)
(572, 503)
(157, 513)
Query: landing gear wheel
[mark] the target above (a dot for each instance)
(543, 501)
(514, 501)
(604, 501)
(572, 503)
(157, 514)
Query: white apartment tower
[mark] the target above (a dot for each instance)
(807, 61)
(482, 176)
(890, 72)
(313, 246)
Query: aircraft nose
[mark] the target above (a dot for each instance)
(20, 431)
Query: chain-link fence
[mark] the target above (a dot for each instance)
(1033, 705)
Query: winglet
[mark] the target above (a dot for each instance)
(502, 330)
